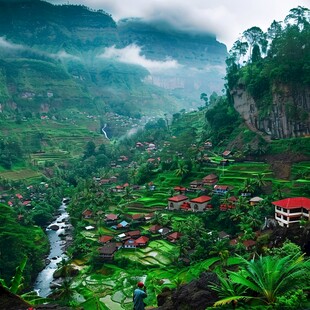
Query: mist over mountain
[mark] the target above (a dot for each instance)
(59, 56)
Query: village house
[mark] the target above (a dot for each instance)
(291, 211)
(255, 201)
(174, 203)
(196, 185)
(87, 214)
(27, 203)
(230, 205)
(221, 189)
(207, 144)
(19, 196)
(155, 228)
(226, 154)
(121, 225)
(164, 231)
(104, 181)
(210, 179)
(134, 234)
(130, 244)
(118, 189)
(142, 241)
(111, 218)
(148, 217)
(135, 217)
(174, 237)
(180, 189)
(105, 239)
(108, 250)
(249, 244)
(200, 204)
(223, 235)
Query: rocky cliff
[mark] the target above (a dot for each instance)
(286, 115)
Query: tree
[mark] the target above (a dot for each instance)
(299, 16)
(259, 181)
(274, 31)
(204, 97)
(248, 186)
(89, 149)
(266, 279)
(182, 169)
(255, 36)
(239, 50)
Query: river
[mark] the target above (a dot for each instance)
(45, 277)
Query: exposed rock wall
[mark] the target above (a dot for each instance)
(287, 117)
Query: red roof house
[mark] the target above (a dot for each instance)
(174, 237)
(134, 234)
(174, 203)
(290, 211)
(200, 203)
(87, 214)
(105, 239)
(142, 241)
(210, 179)
(111, 217)
(155, 228)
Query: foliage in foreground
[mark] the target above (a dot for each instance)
(265, 281)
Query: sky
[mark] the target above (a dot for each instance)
(227, 19)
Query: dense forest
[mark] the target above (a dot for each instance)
(122, 189)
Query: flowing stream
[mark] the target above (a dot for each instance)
(104, 132)
(45, 277)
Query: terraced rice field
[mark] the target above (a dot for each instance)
(20, 174)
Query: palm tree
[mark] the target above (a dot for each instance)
(254, 218)
(236, 214)
(259, 180)
(277, 191)
(242, 203)
(182, 169)
(248, 186)
(128, 193)
(265, 279)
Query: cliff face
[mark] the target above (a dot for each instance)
(286, 117)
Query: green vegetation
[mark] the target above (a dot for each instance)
(286, 61)
(56, 149)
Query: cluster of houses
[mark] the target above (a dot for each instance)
(128, 239)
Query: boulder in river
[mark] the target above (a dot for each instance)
(54, 227)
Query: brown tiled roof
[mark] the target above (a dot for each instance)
(108, 249)
(201, 199)
(178, 198)
(104, 239)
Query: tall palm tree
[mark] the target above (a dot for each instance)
(242, 203)
(248, 186)
(182, 169)
(266, 279)
(236, 214)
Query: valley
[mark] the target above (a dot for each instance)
(181, 165)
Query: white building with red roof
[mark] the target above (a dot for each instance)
(175, 202)
(290, 211)
(200, 203)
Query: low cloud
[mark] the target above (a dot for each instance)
(8, 45)
(131, 54)
(226, 19)
(65, 55)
